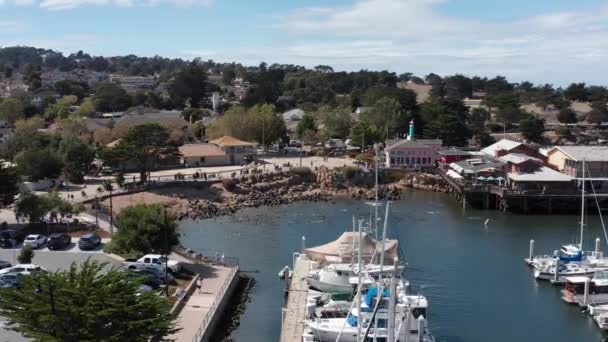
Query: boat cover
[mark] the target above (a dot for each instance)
(342, 249)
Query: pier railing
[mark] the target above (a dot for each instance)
(213, 308)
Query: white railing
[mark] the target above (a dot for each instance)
(216, 302)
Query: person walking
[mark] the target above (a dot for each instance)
(199, 283)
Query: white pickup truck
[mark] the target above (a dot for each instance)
(156, 261)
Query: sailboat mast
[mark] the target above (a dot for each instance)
(359, 320)
(352, 257)
(376, 204)
(582, 209)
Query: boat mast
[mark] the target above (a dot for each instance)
(382, 259)
(352, 258)
(359, 320)
(376, 204)
(582, 209)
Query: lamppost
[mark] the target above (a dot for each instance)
(111, 215)
(39, 290)
(166, 250)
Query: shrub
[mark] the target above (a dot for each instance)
(351, 172)
(495, 127)
(26, 255)
(229, 184)
(301, 171)
(563, 132)
(120, 179)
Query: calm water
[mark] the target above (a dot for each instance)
(474, 276)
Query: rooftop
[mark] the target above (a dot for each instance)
(518, 158)
(587, 153)
(201, 150)
(231, 141)
(542, 174)
(503, 144)
(454, 152)
(472, 166)
(391, 144)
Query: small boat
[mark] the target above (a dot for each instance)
(336, 278)
(565, 270)
(574, 290)
(596, 309)
(285, 272)
(601, 320)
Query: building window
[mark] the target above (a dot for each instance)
(392, 161)
(407, 160)
(202, 159)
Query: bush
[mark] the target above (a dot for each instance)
(229, 184)
(351, 172)
(26, 255)
(563, 132)
(495, 127)
(301, 171)
(120, 179)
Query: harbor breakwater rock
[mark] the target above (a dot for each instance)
(273, 190)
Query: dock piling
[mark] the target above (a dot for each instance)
(557, 264)
(421, 324)
(586, 293)
(303, 251)
(597, 245)
(531, 250)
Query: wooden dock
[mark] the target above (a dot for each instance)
(294, 313)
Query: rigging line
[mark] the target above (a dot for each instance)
(597, 203)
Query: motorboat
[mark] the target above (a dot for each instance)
(601, 320)
(565, 270)
(336, 278)
(583, 290)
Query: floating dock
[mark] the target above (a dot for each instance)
(294, 312)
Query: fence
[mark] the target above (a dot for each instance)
(216, 302)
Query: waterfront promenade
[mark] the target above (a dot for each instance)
(203, 309)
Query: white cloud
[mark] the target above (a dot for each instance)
(70, 4)
(413, 35)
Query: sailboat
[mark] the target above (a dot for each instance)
(570, 259)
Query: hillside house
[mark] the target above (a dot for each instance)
(203, 155)
(236, 150)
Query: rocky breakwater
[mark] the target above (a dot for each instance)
(424, 181)
(255, 191)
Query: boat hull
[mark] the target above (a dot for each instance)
(327, 287)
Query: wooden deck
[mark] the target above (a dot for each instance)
(294, 313)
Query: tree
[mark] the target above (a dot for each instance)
(110, 97)
(68, 87)
(145, 229)
(337, 122)
(11, 110)
(576, 92)
(77, 158)
(60, 109)
(532, 128)
(387, 117)
(144, 145)
(260, 123)
(188, 86)
(195, 114)
(87, 107)
(35, 165)
(9, 185)
(598, 113)
(448, 127)
(87, 302)
(32, 207)
(26, 255)
(363, 134)
(305, 125)
(566, 115)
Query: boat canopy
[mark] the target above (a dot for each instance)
(571, 253)
(372, 294)
(342, 249)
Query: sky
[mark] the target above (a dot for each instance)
(543, 41)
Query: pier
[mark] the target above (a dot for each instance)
(294, 312)
(202, 310)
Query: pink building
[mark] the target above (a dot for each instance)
(412, 154)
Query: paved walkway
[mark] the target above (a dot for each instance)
(201, 304)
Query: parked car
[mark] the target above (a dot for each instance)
(148, 279)
(160, 274)
(4, 264)
(59, 241)
(34, 241)
(22, 269)
(10, 280)
(152, 261)
(89, 241)
(10, 238)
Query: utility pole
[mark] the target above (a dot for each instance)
(111, 215)
(166, 250)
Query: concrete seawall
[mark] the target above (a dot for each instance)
(221, 308)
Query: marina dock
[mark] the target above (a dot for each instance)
(294, 312)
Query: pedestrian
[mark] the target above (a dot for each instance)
(222, 258)
(217, 258)
(199, 283)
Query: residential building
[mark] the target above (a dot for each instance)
(236, 150)
(412, 153)
(569, 160)
(203, 154)
(44, 95)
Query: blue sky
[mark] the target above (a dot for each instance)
(553, 41)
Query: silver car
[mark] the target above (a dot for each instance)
(35, 241)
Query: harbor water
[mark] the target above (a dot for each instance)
(474, 276)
